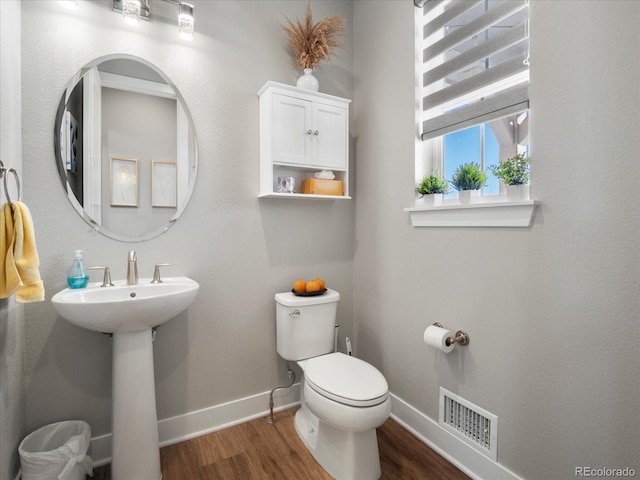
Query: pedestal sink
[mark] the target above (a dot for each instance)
(130, 312)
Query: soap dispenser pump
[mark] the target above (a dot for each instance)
(77, 277)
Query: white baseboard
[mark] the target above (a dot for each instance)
(200, 422)
(457, 452)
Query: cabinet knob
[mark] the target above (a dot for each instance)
(316, 132)
(309, 132)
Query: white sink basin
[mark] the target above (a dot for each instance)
(125, 308)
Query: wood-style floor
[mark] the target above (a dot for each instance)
(259, 450)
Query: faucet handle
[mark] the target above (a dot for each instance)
(106, 280)
(156, 272)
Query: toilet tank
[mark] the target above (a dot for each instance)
(305, 326)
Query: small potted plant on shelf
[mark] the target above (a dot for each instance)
(468, 179)
(514, 173)
(431, 189)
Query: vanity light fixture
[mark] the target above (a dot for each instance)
(131, 12)
(185, 21)
(134, 10)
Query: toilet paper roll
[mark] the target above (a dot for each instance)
(436, 337)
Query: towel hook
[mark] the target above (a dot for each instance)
(5, 173)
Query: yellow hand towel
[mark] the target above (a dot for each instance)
(9, 276)
(21, 255)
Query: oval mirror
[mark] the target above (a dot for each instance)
(125, 148)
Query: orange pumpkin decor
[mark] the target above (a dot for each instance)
(302, 286)
(313, 286)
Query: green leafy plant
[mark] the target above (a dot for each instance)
(468, 177)
(432, 183)
(513, 171)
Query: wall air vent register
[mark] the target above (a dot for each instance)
(470, 423)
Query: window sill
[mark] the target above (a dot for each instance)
(481, 214)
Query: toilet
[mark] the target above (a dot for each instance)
(343, 399)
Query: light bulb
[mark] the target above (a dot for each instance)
(185, 21)
(69, 4)
(131, 12)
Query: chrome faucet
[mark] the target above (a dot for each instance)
(132, 268)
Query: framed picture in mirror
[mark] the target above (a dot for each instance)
(163, 184)
(69, 141)
(124, 182)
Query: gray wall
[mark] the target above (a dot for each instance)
(552, 310)
(240, 249)
(12, 345)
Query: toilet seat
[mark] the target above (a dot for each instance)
(346, 380)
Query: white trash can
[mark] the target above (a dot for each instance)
(57, 451)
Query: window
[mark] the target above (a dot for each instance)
(474, 84)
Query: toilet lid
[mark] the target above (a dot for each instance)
(346, 380)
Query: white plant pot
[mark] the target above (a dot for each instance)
(468, 196)
(517, 193)
(431, 200)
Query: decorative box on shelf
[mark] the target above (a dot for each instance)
(321, 186)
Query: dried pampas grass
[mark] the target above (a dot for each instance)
(313, 42)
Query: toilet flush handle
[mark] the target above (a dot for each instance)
(295, 313)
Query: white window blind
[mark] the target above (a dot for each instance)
(475, 62)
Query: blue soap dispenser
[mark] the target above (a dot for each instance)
(78, 277)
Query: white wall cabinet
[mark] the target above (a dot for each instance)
(301, 132)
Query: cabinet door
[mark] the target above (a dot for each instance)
(330, 136)
(291, 127)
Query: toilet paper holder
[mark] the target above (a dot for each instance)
(461, 338)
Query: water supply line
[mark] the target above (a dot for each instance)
(292, 375)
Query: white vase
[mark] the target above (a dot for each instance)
(468, 196)
(308, 81)
(430, 200)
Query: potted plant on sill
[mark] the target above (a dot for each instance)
(431, 189)
(514, 173)
(468, 179)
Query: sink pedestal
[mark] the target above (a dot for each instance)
(135, 445)
(130, 312)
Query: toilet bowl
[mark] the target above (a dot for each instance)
(343, 399)
(346, 392)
